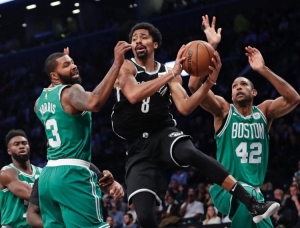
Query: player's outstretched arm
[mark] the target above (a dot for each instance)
(10, 179)
(135, 92)
(289, 98)
(186, 104)
(93, 101)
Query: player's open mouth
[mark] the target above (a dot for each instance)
(140, 48)
(240, 94)
(75, 76)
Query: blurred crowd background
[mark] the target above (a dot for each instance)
(27, 37)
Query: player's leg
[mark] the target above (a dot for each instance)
(50, 210)
(145, 206)
(79, 196)
(219, 175)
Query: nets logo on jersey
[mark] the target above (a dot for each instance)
(175, 134)
(256, 116)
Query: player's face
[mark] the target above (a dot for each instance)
(242, 92)
(142, 43)
(18, 148)
(67, 71)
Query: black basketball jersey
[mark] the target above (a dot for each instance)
(132, 120)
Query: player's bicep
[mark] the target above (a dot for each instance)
(10, 179)
(126, 80)
(79, 98)
(214, 104)
(277, 108)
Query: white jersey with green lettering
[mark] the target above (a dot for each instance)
(243, 146)
(13, 209)
(69, 136)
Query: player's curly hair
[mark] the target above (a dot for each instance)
(153, 31)
(51, 63)
(13, 133)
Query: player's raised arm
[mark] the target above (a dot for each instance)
(93, 101)
(135, 92)
(289, 98)
(186, 104)
(10, 179)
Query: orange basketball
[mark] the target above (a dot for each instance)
(198, 57)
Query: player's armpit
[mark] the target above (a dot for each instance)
(10, 179)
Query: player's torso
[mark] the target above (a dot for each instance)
(69, 136)
(147, 115)
(13, 209)
(243, 146)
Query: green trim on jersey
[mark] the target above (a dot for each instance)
(13, 209)
(243, 146)
(69, 136)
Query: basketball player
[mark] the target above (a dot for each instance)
(141, 116)
(65, 110)
(241, 132)
(106, 182)
(16, 180)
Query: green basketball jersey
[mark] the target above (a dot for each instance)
(13, 209)
(69, 136)
(243, 146)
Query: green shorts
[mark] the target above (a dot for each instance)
(237, 211)
(70, 197)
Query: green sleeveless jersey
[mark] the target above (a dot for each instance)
(13, 209)
(243, 146)
(69, 136)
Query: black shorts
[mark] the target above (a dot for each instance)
(147, 159)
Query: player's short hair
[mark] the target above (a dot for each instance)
(251, 84)
(153, 31)
(51, 63)
(13, 133)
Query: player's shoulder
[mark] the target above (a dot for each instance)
(7, 173)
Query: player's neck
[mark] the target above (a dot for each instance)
(24, 167)
(244, 110)
(148, 63)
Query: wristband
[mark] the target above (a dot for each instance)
(214, 83)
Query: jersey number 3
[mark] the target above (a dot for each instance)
(51, 124)
(254, 154)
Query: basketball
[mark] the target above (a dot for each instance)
(198, 55)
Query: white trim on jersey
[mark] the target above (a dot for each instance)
(59, 92)
(104, 226)
(25, 174)
(152, 72)
(112, 126)
(145, 190)
(226, 123)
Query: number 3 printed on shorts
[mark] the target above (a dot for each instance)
(256, 149)
(51, 124)
(145, 105)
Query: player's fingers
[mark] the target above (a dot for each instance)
(213, 22)
(219, 31)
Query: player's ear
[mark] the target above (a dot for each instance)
(254, 92)
(54, 75)
(9, 151)
(155, 45)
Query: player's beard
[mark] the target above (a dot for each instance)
(68, 80)
(21, 158)
(141, 55)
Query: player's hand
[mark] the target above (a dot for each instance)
(116, 191)
(213, 37)
(66, 51)
(255, 58)
(179, 59)
(214, 70)
(119, 51)
(107, 179)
